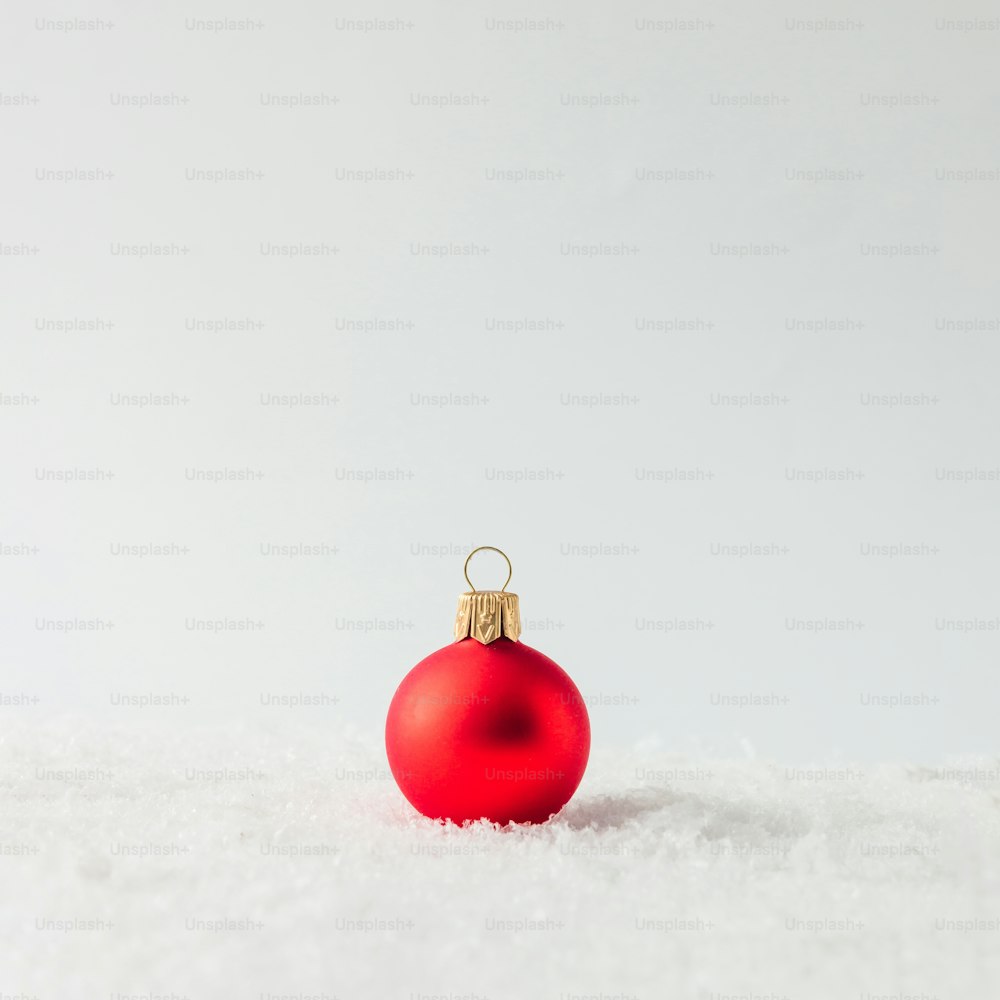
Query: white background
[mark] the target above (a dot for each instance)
(712, 355)
(812, 136)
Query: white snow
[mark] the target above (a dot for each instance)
(665, 877)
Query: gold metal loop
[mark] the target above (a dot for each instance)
(491, 548)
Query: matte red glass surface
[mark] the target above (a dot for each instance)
(497, 731)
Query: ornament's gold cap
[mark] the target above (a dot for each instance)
(486, 615)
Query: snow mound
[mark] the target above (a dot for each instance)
(283, 862)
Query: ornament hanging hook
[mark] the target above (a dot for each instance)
(490, 548)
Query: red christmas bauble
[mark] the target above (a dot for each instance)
(496, 731)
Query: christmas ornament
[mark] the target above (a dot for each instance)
(487, 727)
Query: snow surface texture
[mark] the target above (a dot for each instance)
(663, 878)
